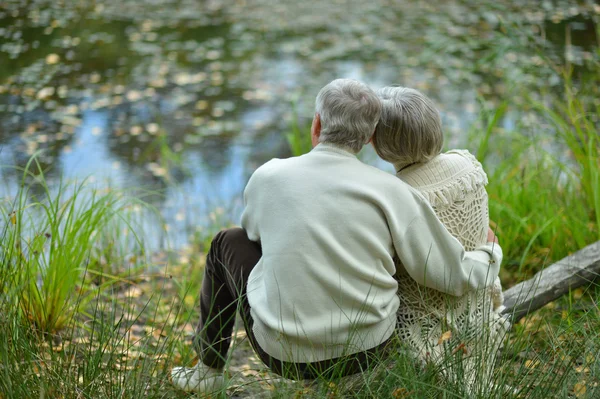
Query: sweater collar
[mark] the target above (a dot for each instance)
(333, 148)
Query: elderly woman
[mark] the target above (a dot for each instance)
(311, 272)
(432, 323)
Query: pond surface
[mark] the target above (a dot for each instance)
(183, 100)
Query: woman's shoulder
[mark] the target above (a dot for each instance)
(448, 166)
(461, 157)
(446, 177)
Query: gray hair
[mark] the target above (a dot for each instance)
(410, 128)
(349, 111)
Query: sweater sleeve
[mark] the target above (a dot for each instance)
(436, 259)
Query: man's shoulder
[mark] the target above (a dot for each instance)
(275, 165)
(268, 166)
(272, 168)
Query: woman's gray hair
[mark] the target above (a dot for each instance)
(410, 128)
(349, 111)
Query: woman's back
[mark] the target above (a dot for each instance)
(454, 184)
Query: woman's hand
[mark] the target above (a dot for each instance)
(491, 236)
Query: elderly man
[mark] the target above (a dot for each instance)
(311, 270)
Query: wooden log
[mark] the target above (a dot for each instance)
(554, 281)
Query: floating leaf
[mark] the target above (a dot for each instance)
(135, 130)
(45, 93)
(52, 59)
(152, 128)
(133, 95)
(201, 105)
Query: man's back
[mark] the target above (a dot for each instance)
(325, 278)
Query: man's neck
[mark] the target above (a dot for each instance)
(332, 147)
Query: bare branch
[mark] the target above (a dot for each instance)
(554, 281)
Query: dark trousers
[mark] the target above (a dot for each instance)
(231, 258)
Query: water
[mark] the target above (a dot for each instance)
(182, 100)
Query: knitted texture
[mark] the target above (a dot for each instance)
(454, 183)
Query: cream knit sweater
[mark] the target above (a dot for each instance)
(430, 322)
(330, 227)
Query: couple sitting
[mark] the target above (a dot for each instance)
(335, 257)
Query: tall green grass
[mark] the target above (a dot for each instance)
(544, 186)
(48, 246)
(69, 326)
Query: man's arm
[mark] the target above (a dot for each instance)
(249, 219)
(434, 258)
(255, 194)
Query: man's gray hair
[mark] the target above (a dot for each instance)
(410, 128)
(349, 111)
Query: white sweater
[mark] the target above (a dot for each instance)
(329, 227)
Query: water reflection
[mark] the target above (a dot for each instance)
(181, 101)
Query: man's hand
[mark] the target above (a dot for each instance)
(491, 236)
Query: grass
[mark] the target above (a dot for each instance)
(69, 327)
(47, 246)
(544, 189)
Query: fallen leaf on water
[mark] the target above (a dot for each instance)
(52, 59)
(152, 128)
(201, 105)
(45, 93)
(135, 130)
